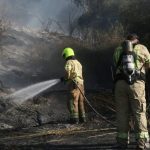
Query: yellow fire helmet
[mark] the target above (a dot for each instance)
(67, 52)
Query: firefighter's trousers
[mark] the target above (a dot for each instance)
(130, 101)
(76, 102)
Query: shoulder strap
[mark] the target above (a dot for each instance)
(135, 58)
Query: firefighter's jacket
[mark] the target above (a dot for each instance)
(143, 57)
(74, 71)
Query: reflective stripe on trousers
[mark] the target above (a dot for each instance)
(131, 99)
(140, 135)
(76, 102)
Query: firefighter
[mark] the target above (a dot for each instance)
(75, 82)
(131, 60)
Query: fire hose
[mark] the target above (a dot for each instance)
(88, 102)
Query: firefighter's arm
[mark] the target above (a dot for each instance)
(68, 69)
(116, 55)
(147, 59)
(114, 58)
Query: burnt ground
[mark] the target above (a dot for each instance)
(60, 135)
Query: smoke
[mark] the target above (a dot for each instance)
(32, 13)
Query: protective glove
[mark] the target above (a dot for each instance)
(62, 79)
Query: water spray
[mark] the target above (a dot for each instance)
(20, 96)
(29, 92)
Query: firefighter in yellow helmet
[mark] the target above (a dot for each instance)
(74, 79)
(131, 59)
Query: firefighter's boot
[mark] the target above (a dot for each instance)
(82, 120)
(74, 121)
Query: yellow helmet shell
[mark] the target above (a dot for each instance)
(67, 52)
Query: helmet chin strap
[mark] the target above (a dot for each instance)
(70, 58)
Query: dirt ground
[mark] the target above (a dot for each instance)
(60, 135)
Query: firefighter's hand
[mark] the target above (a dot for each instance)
(62, 79)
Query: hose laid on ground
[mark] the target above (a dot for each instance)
(97, 113)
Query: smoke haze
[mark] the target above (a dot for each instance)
(32, 12)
